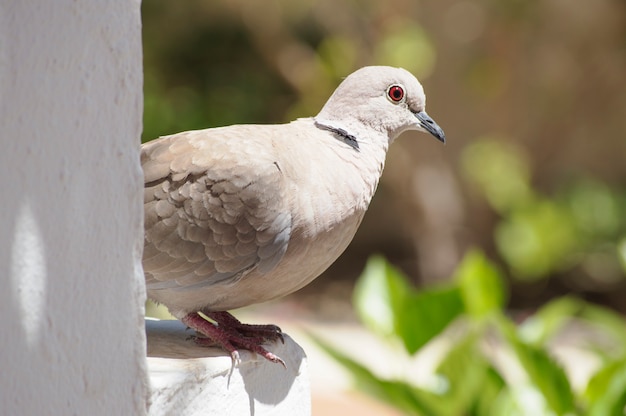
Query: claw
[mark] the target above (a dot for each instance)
(275, 359)
(235, 357)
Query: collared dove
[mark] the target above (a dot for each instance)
(248, 213)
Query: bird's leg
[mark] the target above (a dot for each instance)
(264, 332)
(229, 338)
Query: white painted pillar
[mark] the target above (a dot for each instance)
(71, 300)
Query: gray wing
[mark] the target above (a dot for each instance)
(215, 209)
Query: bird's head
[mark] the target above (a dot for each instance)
(380, 98)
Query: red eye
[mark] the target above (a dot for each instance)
(395, 93)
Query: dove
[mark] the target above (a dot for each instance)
(245, 214)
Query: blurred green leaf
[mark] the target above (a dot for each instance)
(537, 240)
(408, 398)
(606, 391)
(545, 374)
(594, 207)
(548, 320)
(609, 322)
(389, 306)
(491, 389)
(466, 372)
(481, 284)
(501, 171)
(521, 399)
(426, 314)
(380, 295)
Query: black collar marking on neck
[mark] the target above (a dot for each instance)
(344, 135)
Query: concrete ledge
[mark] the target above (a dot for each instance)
(187, 379)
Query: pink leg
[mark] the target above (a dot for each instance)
(230, 334)
(229, 322)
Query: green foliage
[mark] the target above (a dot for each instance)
(544, 373)
(537, 239)
(474, 380)
(481, 285)
(606, 391)
(500, 170)
(582, 224)
(427, 314)
(410, 399)
(388, 305)
(379, 296)
(466, 374)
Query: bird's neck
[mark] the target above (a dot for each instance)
(354, 134)
(342, 134)
(365, 153)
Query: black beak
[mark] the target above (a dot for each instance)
(430, 126)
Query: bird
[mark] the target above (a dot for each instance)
(243, 214)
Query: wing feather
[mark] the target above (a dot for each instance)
(213, 210)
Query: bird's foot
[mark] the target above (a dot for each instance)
(230, 334)
(262, 332)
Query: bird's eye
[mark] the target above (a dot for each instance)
(395, 93)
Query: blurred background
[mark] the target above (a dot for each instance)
(531, 95)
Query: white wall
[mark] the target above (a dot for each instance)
(71, 300)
